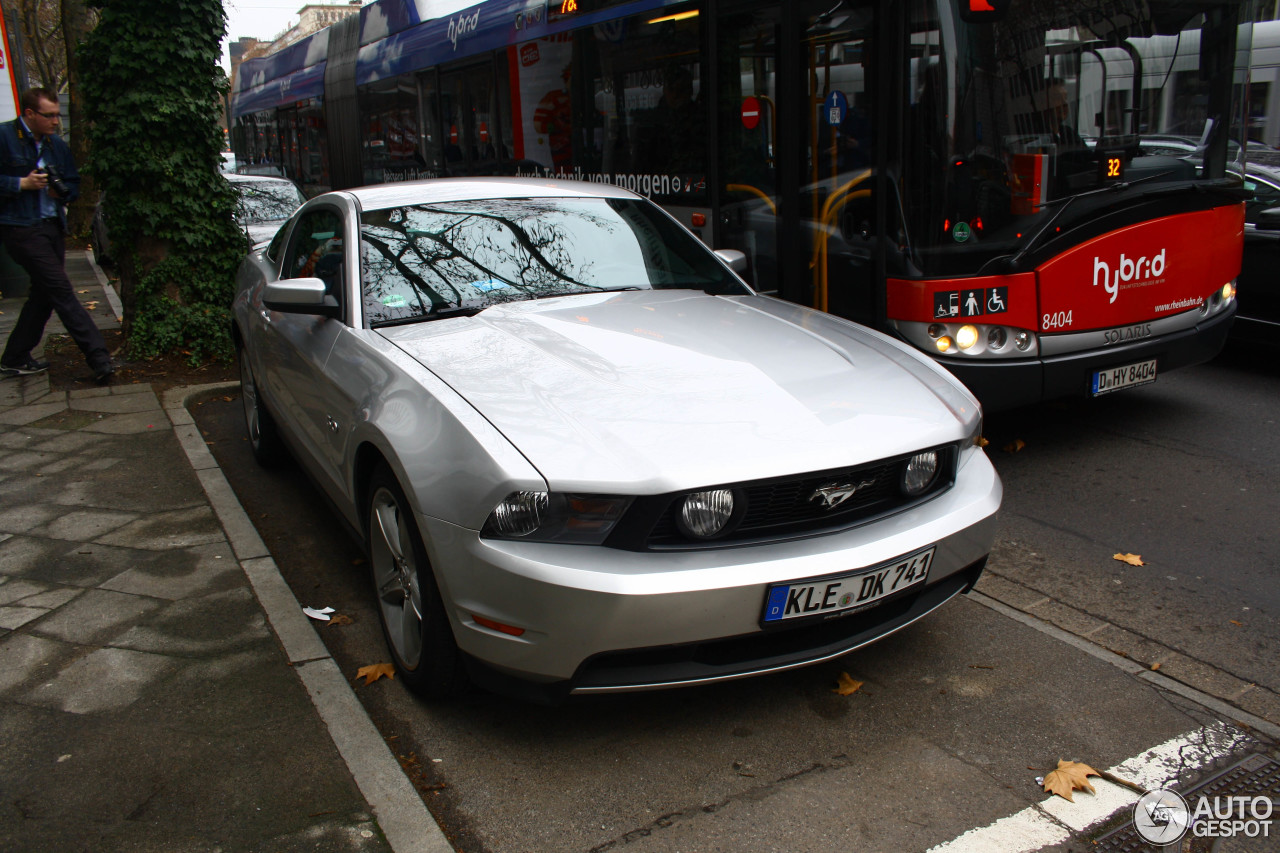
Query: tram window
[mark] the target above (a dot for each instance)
(389, 131)
(601, 105)
(469, 109)
(313, 160)
(432, 140)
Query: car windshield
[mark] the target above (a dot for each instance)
(439, 259)
(266, 201)
(1104, 103)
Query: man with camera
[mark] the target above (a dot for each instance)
(38, 179)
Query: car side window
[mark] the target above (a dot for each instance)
(277, 244)
(316, 250)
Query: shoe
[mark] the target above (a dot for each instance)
(102, 375)
(25, 368)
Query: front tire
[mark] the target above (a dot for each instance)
(264, 437)
(413, 617)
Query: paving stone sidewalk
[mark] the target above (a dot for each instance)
(145, 702)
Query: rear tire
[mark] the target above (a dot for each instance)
(264, 437)
(412, 613)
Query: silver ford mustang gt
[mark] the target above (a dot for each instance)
(584, 456)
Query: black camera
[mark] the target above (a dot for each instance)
(55, 181)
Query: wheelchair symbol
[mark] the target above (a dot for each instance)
(995, 304)
(946, 304)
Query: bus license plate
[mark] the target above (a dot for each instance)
(846, 593)
(1115, 378)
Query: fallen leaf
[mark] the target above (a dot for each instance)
(1014, 446)
(981, 442)
(1131, 559)
(1070, 776)
(1154, 667)
(846, 686)
(340, 619)
(374, 671)
(1234, 622)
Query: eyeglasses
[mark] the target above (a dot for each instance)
(52, 116)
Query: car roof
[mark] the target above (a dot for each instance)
(381, 196)
(255, 179)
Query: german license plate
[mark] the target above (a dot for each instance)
(845, 593)
(1115, 378)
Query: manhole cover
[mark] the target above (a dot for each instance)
(1255, 776)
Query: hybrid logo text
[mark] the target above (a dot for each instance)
(1127, 269)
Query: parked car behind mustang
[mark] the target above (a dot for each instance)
(264, 203)
(1258, 290)
(584, 457)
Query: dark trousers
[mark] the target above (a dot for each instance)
(41, 250)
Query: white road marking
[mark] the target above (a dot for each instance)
(1054, 820)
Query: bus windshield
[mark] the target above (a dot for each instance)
(1046, 114)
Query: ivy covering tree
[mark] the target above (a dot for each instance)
(152, 89)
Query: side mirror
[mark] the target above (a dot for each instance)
(300, 296)
(736, 261)
(1268, 220)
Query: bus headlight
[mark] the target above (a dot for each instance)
(969, 340)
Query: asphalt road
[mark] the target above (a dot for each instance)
(1182, 473)
(958, 714)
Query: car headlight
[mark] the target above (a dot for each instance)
(920, 472)
(554, 517)
(705, 515)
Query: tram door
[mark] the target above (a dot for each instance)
(836, 205)
(797, 149)
(750, 147)
(470, 131)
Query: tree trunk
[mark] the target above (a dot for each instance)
(76, 23)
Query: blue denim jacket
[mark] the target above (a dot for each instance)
(18, 157)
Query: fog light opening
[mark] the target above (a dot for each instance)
(937, 330)
(1228, 291)
(1022, 340)
(944, 343)
(919, 473)
(997, 337)
(706, 515)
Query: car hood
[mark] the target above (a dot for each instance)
(653, 391)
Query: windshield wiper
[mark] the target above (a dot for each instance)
(586, 292)
(438, 314)
(1010, 262)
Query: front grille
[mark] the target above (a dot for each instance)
(784, 507)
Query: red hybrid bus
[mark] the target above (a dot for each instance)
(1043, 195)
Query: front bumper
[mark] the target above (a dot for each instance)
(604, 620)
(1004, 385)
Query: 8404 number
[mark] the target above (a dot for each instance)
(1056, 320)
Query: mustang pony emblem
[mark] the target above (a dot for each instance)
(833, 494)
